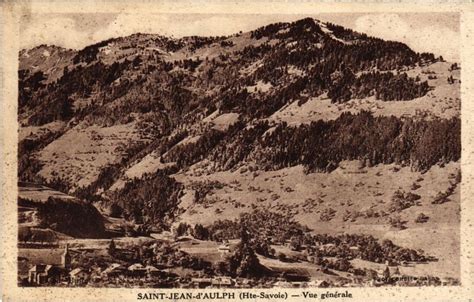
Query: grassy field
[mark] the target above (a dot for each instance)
(79, 154)
(40, 193)
(120, 242)
(442, 101)
(46, 256)
(304, 196)
(350, 188)
(208, 250)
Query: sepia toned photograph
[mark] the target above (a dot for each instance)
(247, 151)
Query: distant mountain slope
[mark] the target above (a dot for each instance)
(47, 59)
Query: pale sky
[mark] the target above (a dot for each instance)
(423, 32)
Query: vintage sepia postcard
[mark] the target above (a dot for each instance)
(258, 151)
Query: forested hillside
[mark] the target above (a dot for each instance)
(120, 121)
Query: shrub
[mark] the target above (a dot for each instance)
(397, 223)
(115, 210)
(282, 257)
(401, 200)
(421, 218)
(441, 198)
(327, 214)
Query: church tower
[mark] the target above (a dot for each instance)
(66, 258)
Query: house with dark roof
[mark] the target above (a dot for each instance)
(137, 270)
(41, 274)
(114, 270)
(224, 249)
(78, 276)
(201, 282)
(48, 266)
(152, 271)
(222, 282)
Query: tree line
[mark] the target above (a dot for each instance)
(321, 145)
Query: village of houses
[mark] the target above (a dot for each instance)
(176, 263)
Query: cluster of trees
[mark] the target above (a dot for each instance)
(266, 31)
(257, 52)
(202, 188)
(164, 254)
(188, 154)
(28, 84)
(385, 55)
(397, 222)
(189, 64)
(200, 232)
(235, 148)
(385, 86)
(56, 182)
(89, 53)
(226, 43)
(196, 42)
(106, 178)
(219, 231)
(61, 108)
(157, 93)
(321, 145)
(69, 216)
(402, 200)
(339, 264)
(454, 66)
(157, 254)
(443, 197)
(152, 199)
(333, 70)
(264, 228)
(327, 214)
(28, 167)
(261, 224)
(343, 33)
(244, 262)
(38, 236)
(368, 248)
(450, 79)
(305, 28)
(389, 87)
